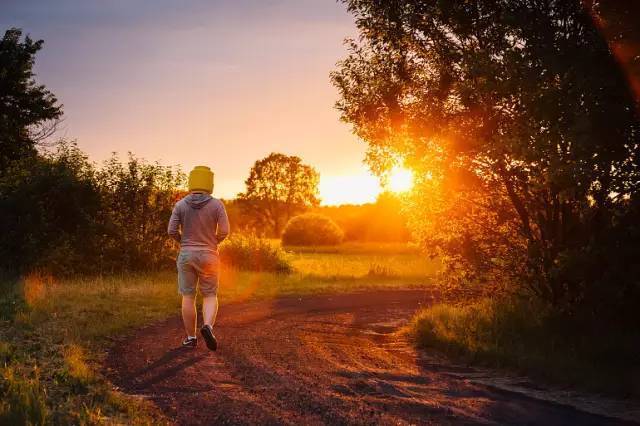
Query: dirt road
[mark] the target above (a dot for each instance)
(315, 360)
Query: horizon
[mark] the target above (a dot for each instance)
(262, 86)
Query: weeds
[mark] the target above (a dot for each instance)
(22, 399)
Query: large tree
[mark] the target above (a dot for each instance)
(278, 187)
(520, 122)
(28, 111)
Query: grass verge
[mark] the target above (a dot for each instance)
(519, 335)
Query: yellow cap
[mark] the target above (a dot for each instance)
(201, 179)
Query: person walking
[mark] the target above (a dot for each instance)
(199, 223)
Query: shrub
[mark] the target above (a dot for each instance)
(254, 254)
(312, 229)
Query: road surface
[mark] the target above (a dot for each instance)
(316, 360)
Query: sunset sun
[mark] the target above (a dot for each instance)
(400, 179)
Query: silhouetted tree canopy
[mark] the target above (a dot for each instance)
(520, 120)
(278, 187)
(28, 111)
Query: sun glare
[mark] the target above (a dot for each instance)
(400, 179)
(363, 187)
(349, 189)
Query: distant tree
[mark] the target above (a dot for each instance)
(28, 111)
(279, 187)
(520, 123)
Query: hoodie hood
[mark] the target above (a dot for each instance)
(197, 201)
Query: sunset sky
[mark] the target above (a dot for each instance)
(188, 82)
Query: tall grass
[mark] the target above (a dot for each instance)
(527, 337)
(23, 398)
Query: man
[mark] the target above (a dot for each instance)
(199, 223)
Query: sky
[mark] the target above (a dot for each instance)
(188, 82)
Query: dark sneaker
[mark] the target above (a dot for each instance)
(190, 342)
(209, 338)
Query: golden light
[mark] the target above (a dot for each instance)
(356, 188)
(362, 187)
(400, 179)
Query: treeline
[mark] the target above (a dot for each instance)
(381, 221)
(61, 213)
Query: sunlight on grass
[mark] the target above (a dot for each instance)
(361, 265)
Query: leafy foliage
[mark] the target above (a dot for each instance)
(278, 187)
(62, 214)
(137, 199)
(312, 229)
(28, 111)
(50, 209)
(524, 135)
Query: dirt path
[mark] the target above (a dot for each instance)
(314, 360)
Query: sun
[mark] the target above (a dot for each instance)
(400, 179)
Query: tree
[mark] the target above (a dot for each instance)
(280, 186)
(520, 123)
(28, 111)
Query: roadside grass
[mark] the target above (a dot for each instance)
(53, 333)
(523, 337)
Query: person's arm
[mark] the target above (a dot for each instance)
(174, 224)
(223, 223)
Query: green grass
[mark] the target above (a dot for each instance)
(528, 339)
(53, 332)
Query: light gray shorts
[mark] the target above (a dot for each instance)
(198, 268)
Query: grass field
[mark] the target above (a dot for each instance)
(53, 333)
(403, 264)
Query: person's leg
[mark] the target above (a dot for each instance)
(189, 315)
(208, 273)
(209, 309)
(187, 278)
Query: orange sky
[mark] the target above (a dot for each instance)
(220, 83)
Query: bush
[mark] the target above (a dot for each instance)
(61, 214)
(254, 254)
(312, 229)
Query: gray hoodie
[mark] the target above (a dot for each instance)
(203, 220)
